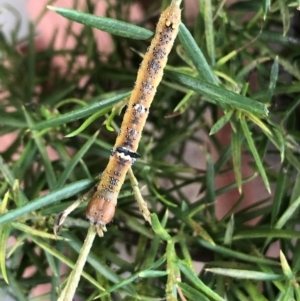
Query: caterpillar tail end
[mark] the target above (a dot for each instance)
(99, 212)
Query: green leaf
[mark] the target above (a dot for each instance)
(296, 188)
(252, 291)
(15, 287)
(80, 113)
(221, 122)
(65, 259)
(235, 254)
(266, 7)
(251, 66)
(279, 193)
(46, 200)
(284, 15)
(245, 274)
(112, 26)
(196, 55)
(93, 260)
(206, 10)
(190, 274)
(158, 228)
(31, 231)
(285, 266)
(236, 150)
(273, 80)
(255, 154)
(192, 294)
(125, 282)
(10, 179)
(289, 67)
(266, 233)
(220, 95)
(4, 235)
(288, 213)
(289, 111)
(246, 6)
(6, 172)
(210, 179)
(152, 274)
(74, 161)
(229, 231)
(40, 143)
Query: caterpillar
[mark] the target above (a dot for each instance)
(101, 207)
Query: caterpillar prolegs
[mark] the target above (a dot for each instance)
(101, 208)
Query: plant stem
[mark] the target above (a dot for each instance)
(73, 280)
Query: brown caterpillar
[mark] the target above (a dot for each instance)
(101, 208)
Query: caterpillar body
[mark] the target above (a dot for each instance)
(101, 208)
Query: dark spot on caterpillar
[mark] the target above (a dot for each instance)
(138, 108)
(164, 36)
(146, 86)
(113, 181)
(132, 132)
(128, 142)
(143, 97)
(135, 120)
(109, 189)
(130, 138)
(116, 173)
(154, 66)
(158, 53)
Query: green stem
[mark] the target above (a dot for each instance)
(73, 280)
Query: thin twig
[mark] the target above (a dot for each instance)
(73, 280)
(138, 196)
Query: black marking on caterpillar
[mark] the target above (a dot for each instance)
(128, 143)
(127, 152)
(113, 181)
(138, 108)
(115, 173)
(165, 38)
(153, 66)
(143, 97)
(122, 159)
(146, 86)
(135, 120)
(158, 53)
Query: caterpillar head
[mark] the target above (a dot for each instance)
(171, 17)
(100, 211)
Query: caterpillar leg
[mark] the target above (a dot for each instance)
(63, 215)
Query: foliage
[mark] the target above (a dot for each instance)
(245, 66)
